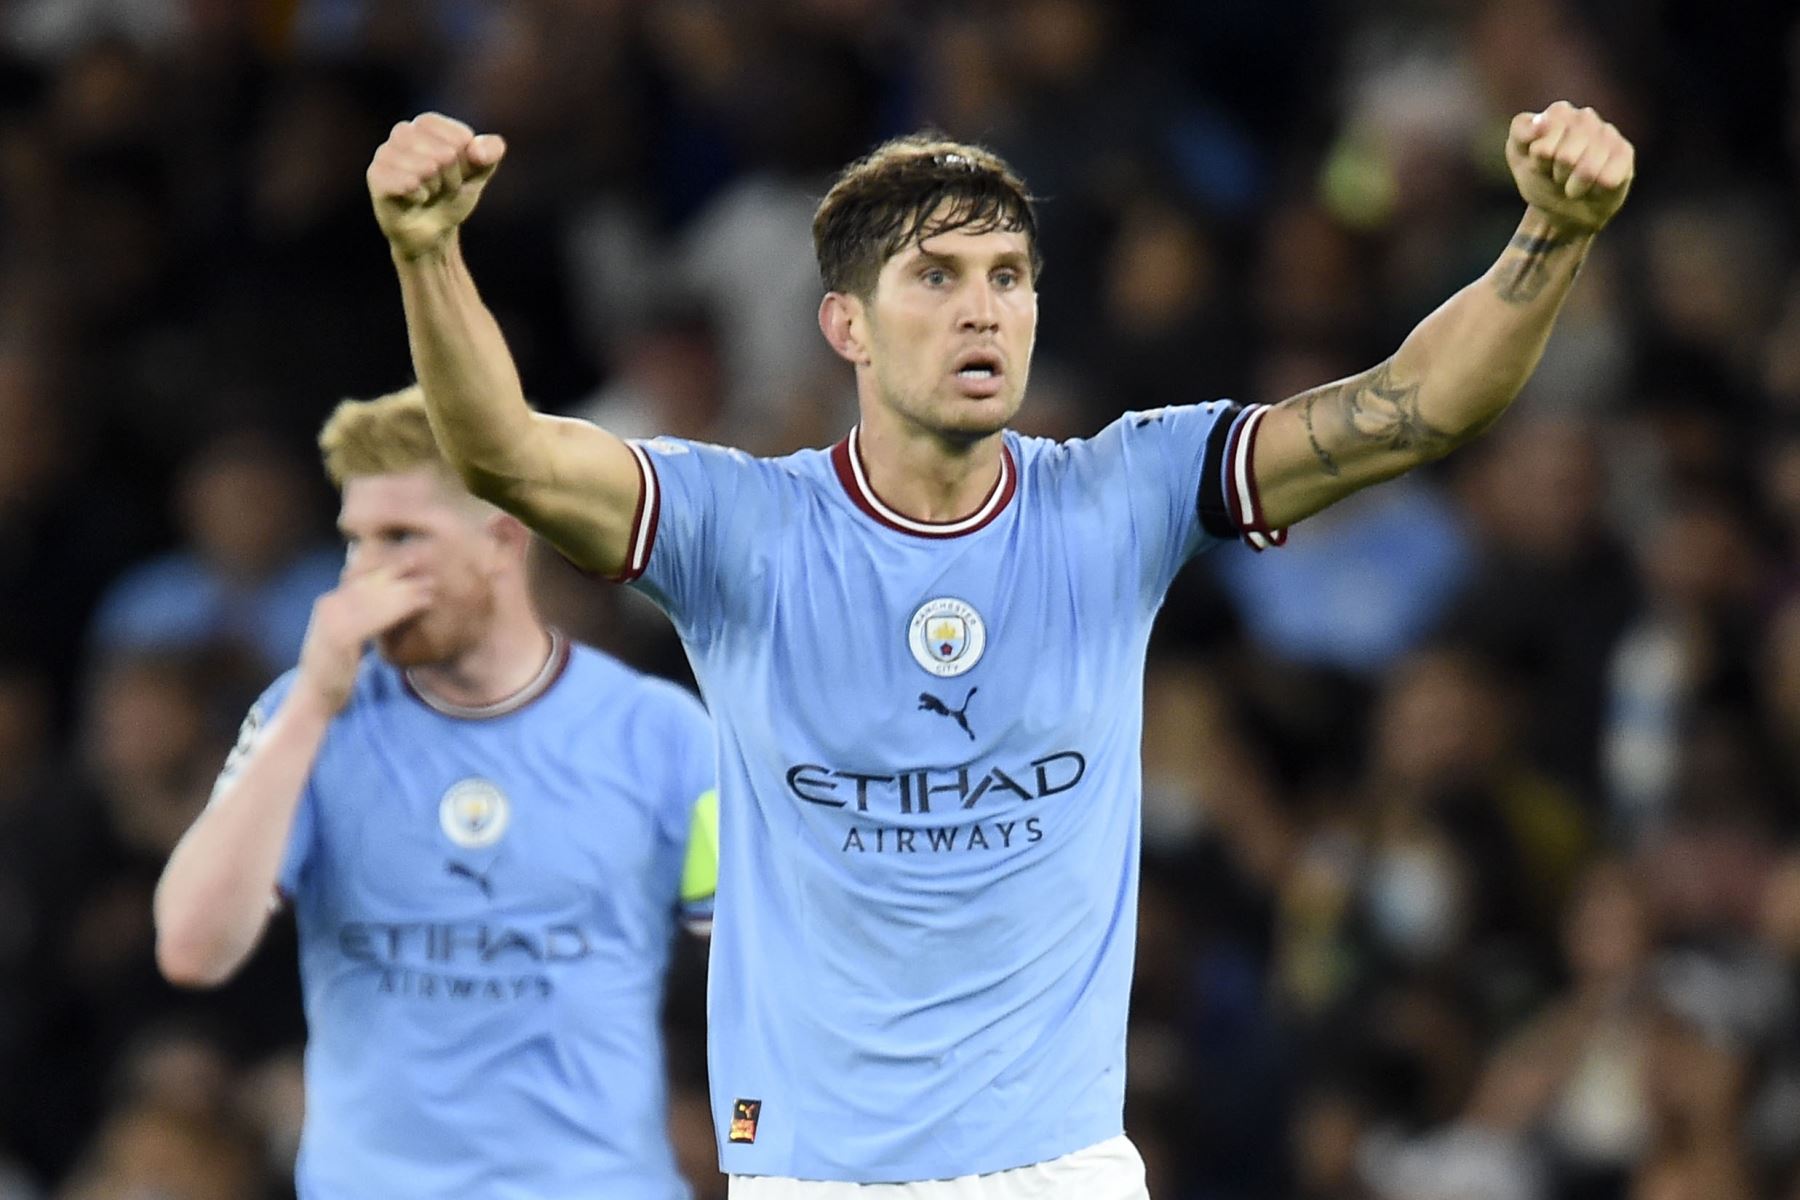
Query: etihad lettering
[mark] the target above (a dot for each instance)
(919, 790)
(988, 835)
(467, 942)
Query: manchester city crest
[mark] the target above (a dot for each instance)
(946, 636)
(474, 813)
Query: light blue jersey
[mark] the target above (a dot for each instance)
(929, 783)
(486, 901)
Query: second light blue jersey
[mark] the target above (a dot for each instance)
(486, 901)
(929, 780)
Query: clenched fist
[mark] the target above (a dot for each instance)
(425, 179)
(1571, 165)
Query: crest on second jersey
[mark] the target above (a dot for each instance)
(946, 636)
(474, 813)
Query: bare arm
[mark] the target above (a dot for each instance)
(216, 893)
(1457, 372)
(571, 481)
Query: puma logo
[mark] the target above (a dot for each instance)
(475, 877)
(931, 703)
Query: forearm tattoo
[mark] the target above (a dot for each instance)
(1321, 453)
(1524, 269)
(1371, 411)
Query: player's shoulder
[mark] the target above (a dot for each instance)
(375, 680)
(1116, 440)
(667, 449)
(605, 681)
(806, 467)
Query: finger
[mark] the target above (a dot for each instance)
(1544, 147)
(396, 173)
(1619, 169)
(1570, 155)
(400, 604)
(1569, 152)
(1610, 173)
(1524, 130)
(449, 177)
(1586, 169)
(486, 151)
(450, 129)
(382, 604)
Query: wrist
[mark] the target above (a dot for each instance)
(438, 252)
(1542, 223)
(313, 703)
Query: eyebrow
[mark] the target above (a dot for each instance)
(1015, 259)
(384, 528)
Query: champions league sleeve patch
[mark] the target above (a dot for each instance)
(744, 1115)
(248, 734)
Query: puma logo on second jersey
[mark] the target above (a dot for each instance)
(473, 876)
(930, 703)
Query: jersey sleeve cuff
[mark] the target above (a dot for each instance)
(1230, 505)
(643, 519)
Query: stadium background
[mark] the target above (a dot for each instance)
(1471, 838)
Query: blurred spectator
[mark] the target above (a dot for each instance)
(143, 1150)
(1684, 651)
(1552, 590)
(244, 583)
(669, 379)
(63, 529)
(1361, 583)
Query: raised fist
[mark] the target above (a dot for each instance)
(1571, 165)
(425, 179)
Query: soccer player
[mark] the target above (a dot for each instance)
(486, 834)
(924, 647)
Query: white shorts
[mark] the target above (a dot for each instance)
(1109, 1170)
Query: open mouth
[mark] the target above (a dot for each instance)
(979, 372)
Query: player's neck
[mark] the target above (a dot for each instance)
(513, 657)
(925, 476)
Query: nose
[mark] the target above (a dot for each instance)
(980, 308)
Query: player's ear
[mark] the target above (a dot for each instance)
(843, 321)
(510, 535)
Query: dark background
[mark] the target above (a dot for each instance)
(1471, 845)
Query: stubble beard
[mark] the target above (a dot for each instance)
(944, 414)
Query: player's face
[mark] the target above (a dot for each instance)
(951, 325)
(416, 522)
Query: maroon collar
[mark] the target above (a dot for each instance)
(557, 661)
(846, 457)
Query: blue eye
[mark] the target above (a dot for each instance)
(935, 276)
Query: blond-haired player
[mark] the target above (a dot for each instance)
(487, 836)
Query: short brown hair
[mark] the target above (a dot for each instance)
(907, 190)
(383, 436)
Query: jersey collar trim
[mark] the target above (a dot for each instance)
(846, 457)
(555, 663)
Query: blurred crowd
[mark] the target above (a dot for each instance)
(1472, 850)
